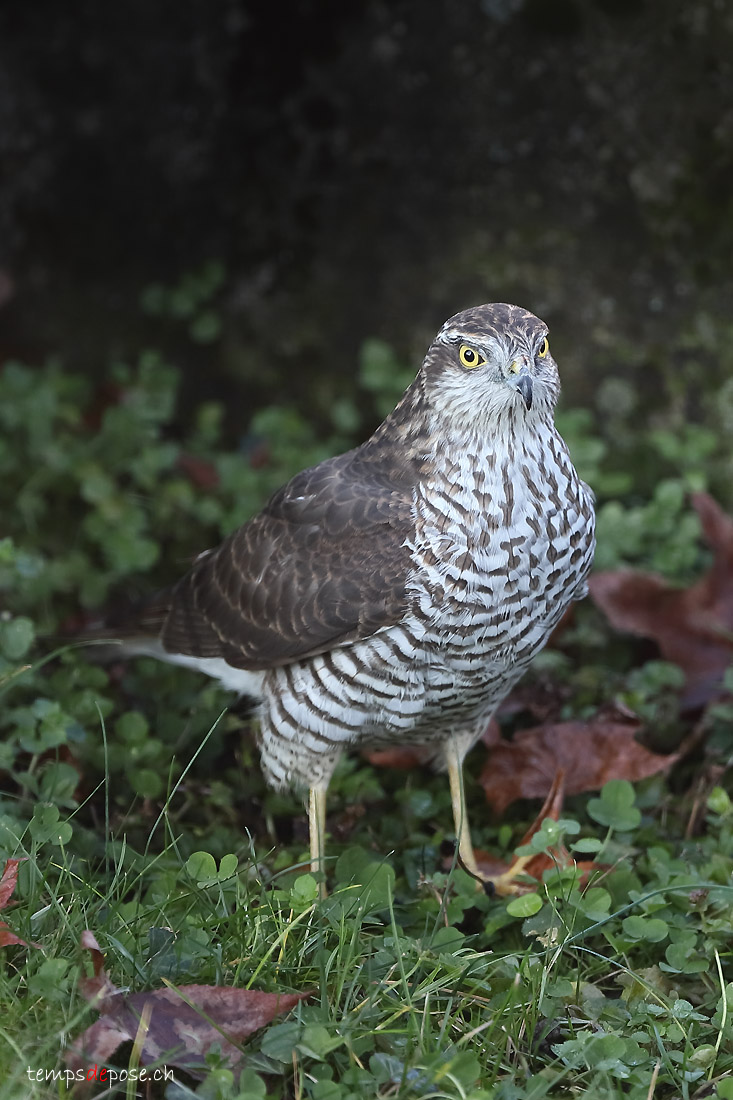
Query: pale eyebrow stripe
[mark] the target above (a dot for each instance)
(455, 334)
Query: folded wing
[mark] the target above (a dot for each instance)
(323, 564)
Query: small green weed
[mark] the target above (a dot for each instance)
(133, 796)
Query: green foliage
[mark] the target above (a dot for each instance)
(662, 534)
(130, 794)
(615, 808)
(382, 375)
(644, 457)
(191, 300)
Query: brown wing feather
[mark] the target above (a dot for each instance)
(324, 563)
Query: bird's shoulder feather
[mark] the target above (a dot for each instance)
(323, 564)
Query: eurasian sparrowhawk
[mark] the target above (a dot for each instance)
(394, 594)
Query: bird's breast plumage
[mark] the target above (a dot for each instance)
(504, 538)
(501, 540)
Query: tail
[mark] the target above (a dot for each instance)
(128, 629)
(141, 630)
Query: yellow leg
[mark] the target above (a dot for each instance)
(317, 829)
(460, 815)
(505, 884)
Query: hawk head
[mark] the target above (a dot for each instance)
(491, 362)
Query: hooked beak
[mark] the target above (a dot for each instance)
(522, 381)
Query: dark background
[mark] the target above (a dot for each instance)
(364, 169)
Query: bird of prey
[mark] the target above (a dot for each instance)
(393, 595)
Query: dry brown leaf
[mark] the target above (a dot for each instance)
(401, 758)
(8, 882)
(693, 627)
(176, 1026)
(560, 856)
(552, 808)
(99, 985)
(492, 734)
(542, 697)
(8, 938)
(407, 757)
(533, 867)
(200, 472)
(589, 753)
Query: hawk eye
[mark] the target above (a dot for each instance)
(543, 349)
(470, 357)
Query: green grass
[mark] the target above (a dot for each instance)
(421, 987)
(134, 797)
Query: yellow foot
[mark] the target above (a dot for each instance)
(494, 877)
(503, 883)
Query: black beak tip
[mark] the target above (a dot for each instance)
(524, 385)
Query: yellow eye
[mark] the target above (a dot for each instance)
(543, 349)
(470, 357)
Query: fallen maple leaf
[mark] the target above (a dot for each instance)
(693, 627)
(589, 753)
(177, 1025)
(8, 882)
